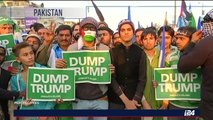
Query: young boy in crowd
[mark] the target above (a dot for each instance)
(25, 56)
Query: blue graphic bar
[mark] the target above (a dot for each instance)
(112, 113)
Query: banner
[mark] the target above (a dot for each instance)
(89, 66)
(8, 42)
(173, 85)
(29, 21)
(48, 84)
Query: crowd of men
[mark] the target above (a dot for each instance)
(132, 65)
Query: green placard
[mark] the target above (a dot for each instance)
(89, 66)
(48, 84)
(173, 85)
(8, 42)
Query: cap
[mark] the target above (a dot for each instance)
(33, 35)
(126, 21)
(89, 20)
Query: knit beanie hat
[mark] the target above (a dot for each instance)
(126, 21)
(89, 20)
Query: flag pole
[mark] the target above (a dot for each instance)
(175, 7)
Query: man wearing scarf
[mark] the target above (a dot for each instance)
(200, 53)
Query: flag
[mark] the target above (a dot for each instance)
(191, 20)
(152, 24)
(166, 21)
(199, 26)
(161, 62)
(129, 13)
(98, 12)
(139, 25)
(184, 14)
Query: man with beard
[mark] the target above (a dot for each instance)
(75, 32)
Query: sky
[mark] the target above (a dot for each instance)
(143, 11)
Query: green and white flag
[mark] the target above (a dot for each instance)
(48, 84)
(8, 42)
(89, 66)
(173, 85)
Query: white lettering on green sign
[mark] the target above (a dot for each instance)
(96, 61)
(98, 71)
(50, 78)
(5, 43)
(171, 87)
(177, 77)
(42, 87)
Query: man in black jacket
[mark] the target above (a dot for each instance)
(200, 53)
(128, 82)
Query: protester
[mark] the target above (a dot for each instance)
(171, 52)
(64, 35)
(183, 37)
(75, 32)
(129, 80)
(8, 26)
(90, 96)
(4, 94)
(138, 33)
(34, 40)
(149, 41)
(35, 27)
(105, 36)
(42, 32)
(43, 52)
(26, 57)
(199, 53)
(116, 39)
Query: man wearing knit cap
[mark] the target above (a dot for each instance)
(34, 40)
(128, 82)
(199, 52)
(88, 95)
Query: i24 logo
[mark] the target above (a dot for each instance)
(189, 113)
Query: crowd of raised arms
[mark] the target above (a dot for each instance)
(132, 67)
